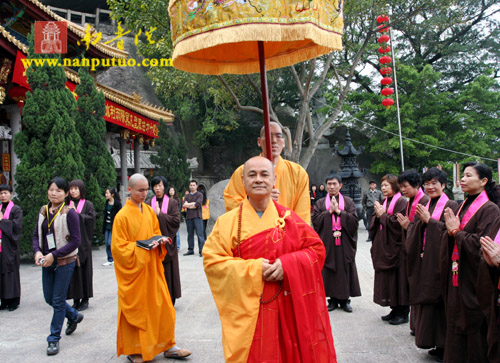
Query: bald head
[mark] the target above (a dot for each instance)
(258, 177)
(277, 141)
(138, 187)
(134, 179)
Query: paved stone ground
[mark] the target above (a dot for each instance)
(359, 337)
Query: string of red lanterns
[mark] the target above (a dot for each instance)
(385, 60)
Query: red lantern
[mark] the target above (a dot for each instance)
(383, 50)
(385, 59)
(387, 91)
(382, 28)
(382, 19)
(383, 39)
(385, 70)
(386, 81)
(387, 102)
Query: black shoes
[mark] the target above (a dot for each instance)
(73, 324)
(346, 307)
(201, 255)
(189, 253)
(437, 353)
(332, 305)
(13, 307)
(76, 303)
(398, 320)
(84, 304)
(389, 316)
(53, 348)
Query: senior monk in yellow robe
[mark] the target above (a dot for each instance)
(146, 316)
(291, 188)
(263, 264)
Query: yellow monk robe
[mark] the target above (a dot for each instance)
(146, 316)
(237, 283)
(291, 180)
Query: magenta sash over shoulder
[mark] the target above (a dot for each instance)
(80, 205)
(390, 210)
(438, 211)
(336, 225)
(417, 198)
(6, 216)
(474, 207)
(164, 203)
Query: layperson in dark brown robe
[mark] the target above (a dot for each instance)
(466, 325)
(81, 286)
(391, 283)
(488, 289)
(424, 239)
(11, 220)
(170, 221)
(340, 276)
(410, 186)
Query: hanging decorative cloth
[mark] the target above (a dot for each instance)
(474, 207)
(219, 36)
(6, 215)
(164, 203)
(436, 215)
(336, 222)
(390, 210)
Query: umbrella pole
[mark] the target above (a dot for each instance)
(265, 99)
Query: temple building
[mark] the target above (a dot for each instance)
(129, 119)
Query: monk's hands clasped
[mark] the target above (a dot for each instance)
(379, 209)
(403, 221)
(423, 213)
(451, 220)
(272, 272)
(491, 251)
(334, 206)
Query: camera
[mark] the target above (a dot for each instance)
(42, 260)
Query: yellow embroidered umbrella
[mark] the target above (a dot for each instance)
(246, 36)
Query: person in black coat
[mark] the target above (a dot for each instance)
(112, 206)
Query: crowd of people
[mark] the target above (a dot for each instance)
(276, 267)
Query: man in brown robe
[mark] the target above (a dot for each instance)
(488, 289)
(167, 211)
(425, 236)
(340, 275)
(391, 284)
(11, 220)
(81, 286)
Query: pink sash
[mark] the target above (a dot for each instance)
(336, 225)
(474, 207)
(390, 211)
(164, 203)
(436, 214)
(6, 216)
(497, 237)
(417, 198)
(80, 205)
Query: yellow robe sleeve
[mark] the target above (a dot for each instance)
(236, 284)
(234, 193)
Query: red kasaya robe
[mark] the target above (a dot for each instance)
(291, 322)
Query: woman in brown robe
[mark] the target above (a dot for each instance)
(423, 245)
(170, 221)
(466, 326)
(488, 289)
(81, 286)
(391, 282)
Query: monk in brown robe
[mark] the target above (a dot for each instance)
(466, 325)
(167, 211)
(391, 283)
(488, 289)
(11, 220)
(336, 221)
(424, 239)
(81, 286)
(146, 316)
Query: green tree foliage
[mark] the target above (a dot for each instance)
(171, 159)
(48, 145)
(99, 166)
